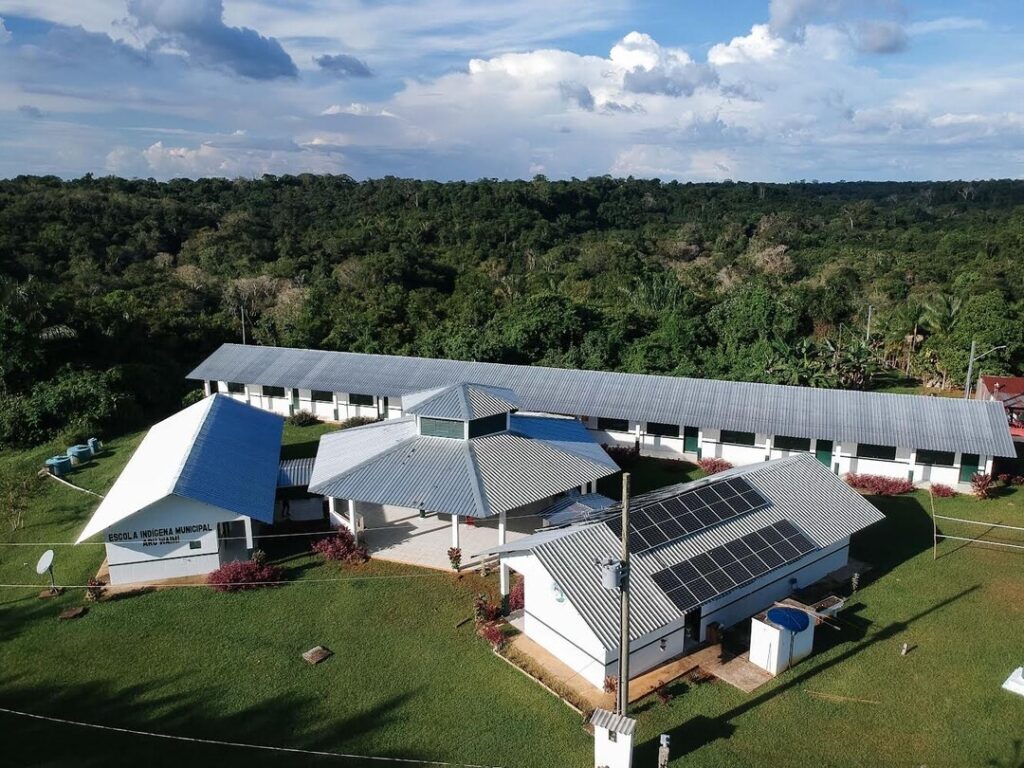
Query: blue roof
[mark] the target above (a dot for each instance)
(233, 461)
(295, 473)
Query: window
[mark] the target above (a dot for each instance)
(786, 443)
(613, 425)
(737, 438)
(612, 735)
(936, 458)
(235, 388)
(195, 544)
(665, 430)
(432, 427)
(869, 451)
(319, 396)
(355, 399)
(273, 391)
(487, 425)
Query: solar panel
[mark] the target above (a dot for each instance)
(658, 522)
(738, 562)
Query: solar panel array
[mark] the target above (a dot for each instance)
(731, 565)
(660, 522)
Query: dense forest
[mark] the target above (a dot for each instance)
(111, 290)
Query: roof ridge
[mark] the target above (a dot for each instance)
(475, 482)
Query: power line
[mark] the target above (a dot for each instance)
(240, 744)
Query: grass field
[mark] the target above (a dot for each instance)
(407, 682)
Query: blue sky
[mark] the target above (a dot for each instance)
(770, 90)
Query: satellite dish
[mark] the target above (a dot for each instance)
(45, 562)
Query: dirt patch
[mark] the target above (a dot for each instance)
(1007, 594)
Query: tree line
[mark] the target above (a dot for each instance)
(112, 289)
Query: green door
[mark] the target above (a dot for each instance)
(690, 439)
(969, 466)
(823, 451)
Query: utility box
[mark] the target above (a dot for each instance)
(613, 739)
(779, 638)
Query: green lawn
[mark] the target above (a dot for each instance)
(405, 681)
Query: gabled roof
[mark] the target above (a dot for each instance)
(912, 421)
(461, 401)
(799, 489)
(218, 451)
(390, 463)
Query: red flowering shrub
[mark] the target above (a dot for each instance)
(1005, 478)
(94, 589)
(455, 557)
(877, 485)
(714, 466)
(244, 574)
(484, 611)
(611, 684)
(942, 491)
(492, 634)
(341, 547)
(1018, 480)
(982, 485)
(621, 453)
(517, 596)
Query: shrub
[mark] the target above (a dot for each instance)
(244, 574)
(713, 466)
(662, 692)
(517, 595)
(621, 453)
(484, 611)
(341, 547)
(611, 684)
(1018, 480)
(877, 485)
(357, 421)
(94, 589)
(192, 397)
(455, 557)
(942, 491)
(1005, 478)
(302, 419)
(981, 484)
(492, 634)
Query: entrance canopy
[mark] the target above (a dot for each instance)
(477, 467)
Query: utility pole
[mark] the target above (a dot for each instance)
(241, 308)
(867, 336)
(970, 365)
(623, 688)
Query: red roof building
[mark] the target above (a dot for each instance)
(1008, 390)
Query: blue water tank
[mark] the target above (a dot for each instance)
(59, 465)
(94, 445)
(79, 453)
(792, 619)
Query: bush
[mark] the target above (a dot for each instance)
(1005, 478)
(982, 484)
(192, 397)
(1018, 480)
(244, 574)
(455, 557)
(94, 589)
(662, 692)
(942, 491)
(484, 611)
(611, 684)
(492, 634)
(877, 485)
(341, 547)
(517, 595)
(357, 421)
(621, 453)
(713, 466)
(302, 419)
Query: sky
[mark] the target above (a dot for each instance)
(772, 90)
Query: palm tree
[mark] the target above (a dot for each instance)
(940, 312)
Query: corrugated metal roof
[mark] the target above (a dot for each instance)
(389, 463)
(799, 489)
(913, 421)
(461, 401)
(575, 508)
(294, 473)
(218, 451)
(602, 718)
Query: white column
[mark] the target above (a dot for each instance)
(248, 532)
(502, 569)
(700, 442)
(207, 387)
(455, 531)
(912, 472)
(352, 520)
(767, 447)
(988, 464)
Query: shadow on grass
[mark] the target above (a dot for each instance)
(701, 731)
(280, 720)
(302, 450)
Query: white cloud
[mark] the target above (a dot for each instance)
(945, 24)
(209, 160)
(759, 45)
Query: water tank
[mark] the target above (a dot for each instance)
(59, 465)
(792, 619)
(79, 453)
(94, 445)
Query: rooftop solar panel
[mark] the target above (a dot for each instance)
(722, 568)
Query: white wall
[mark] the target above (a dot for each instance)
(138, 549)
(737, 455)
(775, 649)
(557, 626)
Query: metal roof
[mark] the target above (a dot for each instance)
(218, 451)
(576, 507)
(799, 488)
(390, 463)
(461, 401)
(602, 718)
(913, 421)
(294, 473)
